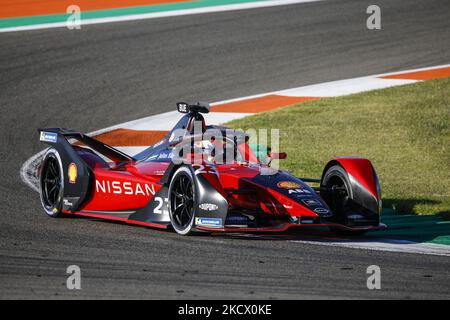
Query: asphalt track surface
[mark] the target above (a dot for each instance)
(102, 75)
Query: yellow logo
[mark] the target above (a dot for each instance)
(72, 173)
(288, 185)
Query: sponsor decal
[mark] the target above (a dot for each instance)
(72, 173)
(210, 222)
(48, 136)
(208, 206)
(310, 202)
(321, 210)
(124, 187)
(159, 143)
(293, 188)
(67, 203)
(288, 185)
(165, 155)
(299, 191)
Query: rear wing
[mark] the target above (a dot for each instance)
(77, 175)
(54, 136)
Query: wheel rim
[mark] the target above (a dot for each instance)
(51, 184)
(339, 193)
(182, 201)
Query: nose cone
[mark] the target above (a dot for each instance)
(297, 191)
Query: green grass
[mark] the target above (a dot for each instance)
(404, 131)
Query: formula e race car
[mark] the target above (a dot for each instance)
(202, 178)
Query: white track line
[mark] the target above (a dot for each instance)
(387, 245)
(28, 171)
(365, 83)
(344, 87)
(412, 70)
(164, 14)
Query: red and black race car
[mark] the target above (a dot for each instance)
(202, 178)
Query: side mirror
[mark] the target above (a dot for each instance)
(277, 155)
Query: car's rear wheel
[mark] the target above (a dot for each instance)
(182, 191)
(52, 183)
(338, 197)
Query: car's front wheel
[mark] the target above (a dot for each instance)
(338, 197)
(182, 191)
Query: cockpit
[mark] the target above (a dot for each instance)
(192, 137)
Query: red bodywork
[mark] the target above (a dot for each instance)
(361, 169)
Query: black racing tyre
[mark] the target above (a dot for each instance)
(182, 191)
(339, 201)
(51, 183)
